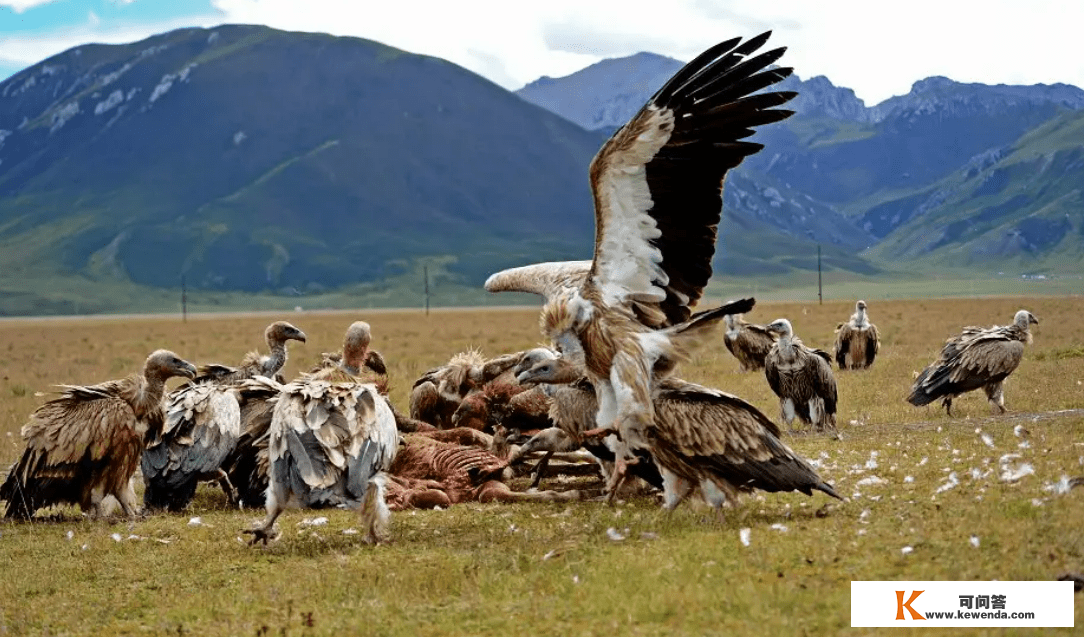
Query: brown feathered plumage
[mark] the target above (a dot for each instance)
(657, 186)
(749, 343)
(977, 358)
(701, 437)
(87, 443)
(857, 340)
(802, 378)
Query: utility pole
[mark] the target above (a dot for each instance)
(184, 301)
(425, 272)
(820, 287)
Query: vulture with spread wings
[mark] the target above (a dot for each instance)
(627, 314)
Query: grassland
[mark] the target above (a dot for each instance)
(551, 569)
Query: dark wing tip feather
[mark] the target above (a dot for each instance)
(698, 64)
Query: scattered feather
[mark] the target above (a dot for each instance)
(313, 522)
(1019, 431)
(614, 535)
(871, 480)
(908, 479)
(744, 535)
(1060, 487)
(350, 531)
(922, 463)
(1036, 502)
(987, 440)
(975, 541)
(907, 550)
(1012, 474)
(1024, 445)
(71, 534)
(116, 537)
(196, 521)
(951, 483)
(779, 527)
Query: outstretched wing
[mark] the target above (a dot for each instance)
(658, 181)
(546, 279)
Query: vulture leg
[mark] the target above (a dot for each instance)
(266, 531)
(947, 402)
(787, 411)
(675, 489)
(227, 487)
(816, 414)
(127, 499)
(618, 477)
(996, 395)
(540, 469)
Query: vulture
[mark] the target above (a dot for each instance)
(437, 395)
(703, 437)
(857, 340)
(626, 315)
(802, 378)
(86, 444)
(203, 424)
(979, 357)
(331, 440)
(748, 343)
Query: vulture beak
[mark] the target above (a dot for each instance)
(1032, 319)
(300, 336)
(186, 369)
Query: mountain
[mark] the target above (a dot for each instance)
(882, 179)
(246, 158)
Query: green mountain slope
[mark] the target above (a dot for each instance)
(1020, 208)
(248, 159)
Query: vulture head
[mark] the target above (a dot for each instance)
(781, 327)
(860, 306)
(557, 370)
(163, 364)
(281, 331)
(533, 357)
(1025, 319)
(356, 345)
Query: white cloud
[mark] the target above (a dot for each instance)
(878, 49)
(22, 5)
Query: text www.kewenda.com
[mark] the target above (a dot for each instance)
(962, 614)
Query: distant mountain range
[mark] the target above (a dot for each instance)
(242, 158)
(949, 175)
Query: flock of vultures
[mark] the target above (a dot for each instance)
(606, 387)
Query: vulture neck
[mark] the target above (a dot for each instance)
(147, 392)
(354, 359)
(860, 319)
(276, 360)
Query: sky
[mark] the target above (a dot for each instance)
(876, 48)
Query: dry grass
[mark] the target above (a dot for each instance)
(480, 569)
